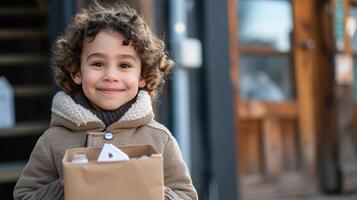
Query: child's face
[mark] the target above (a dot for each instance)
(110, 72)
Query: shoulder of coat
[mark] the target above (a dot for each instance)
(160, 127)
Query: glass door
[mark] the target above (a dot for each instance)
(272, 82)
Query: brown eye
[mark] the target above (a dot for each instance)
(97, 64)
(124, 66)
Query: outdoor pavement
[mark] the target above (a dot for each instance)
(329, 197)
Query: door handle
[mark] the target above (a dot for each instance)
(308, 44)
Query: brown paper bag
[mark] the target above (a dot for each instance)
(135, 179)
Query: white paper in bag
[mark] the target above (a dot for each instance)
(111, 153)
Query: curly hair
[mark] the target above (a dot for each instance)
(87, 23)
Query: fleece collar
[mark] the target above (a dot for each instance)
(65, 107)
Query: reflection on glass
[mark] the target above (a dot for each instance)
(265, 23)
(354, 39)
(265, 78)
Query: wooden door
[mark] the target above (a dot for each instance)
(274, 70)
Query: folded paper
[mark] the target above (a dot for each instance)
(111, 153)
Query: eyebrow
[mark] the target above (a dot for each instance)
(127, 56)
(123, 56)
(95, 55)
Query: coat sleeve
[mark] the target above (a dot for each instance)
(176, 175)
(39, 179)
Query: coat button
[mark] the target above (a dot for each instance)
(108, 135)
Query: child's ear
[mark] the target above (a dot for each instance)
(142, 82)
(77, 78)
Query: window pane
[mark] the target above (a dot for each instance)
(265, 23)
(354, 39)
(265, 78)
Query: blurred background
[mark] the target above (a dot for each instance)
(263, 98)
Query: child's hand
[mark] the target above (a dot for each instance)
(170, 194)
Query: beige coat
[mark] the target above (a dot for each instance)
(70, 123)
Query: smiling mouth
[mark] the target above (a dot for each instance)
(110, 90)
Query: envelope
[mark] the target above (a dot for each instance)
(134, 179)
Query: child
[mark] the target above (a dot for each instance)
(109, 65)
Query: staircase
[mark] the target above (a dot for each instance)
(24, 61)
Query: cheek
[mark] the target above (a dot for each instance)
(133, 83)
(133, 78)
(89, 79)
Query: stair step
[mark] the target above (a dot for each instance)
(25, 128)
(18, 59)
(11, 171)
(22, 33)
(21, 11)
(32, 90)
(23, 16)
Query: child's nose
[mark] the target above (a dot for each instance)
(111, 74)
